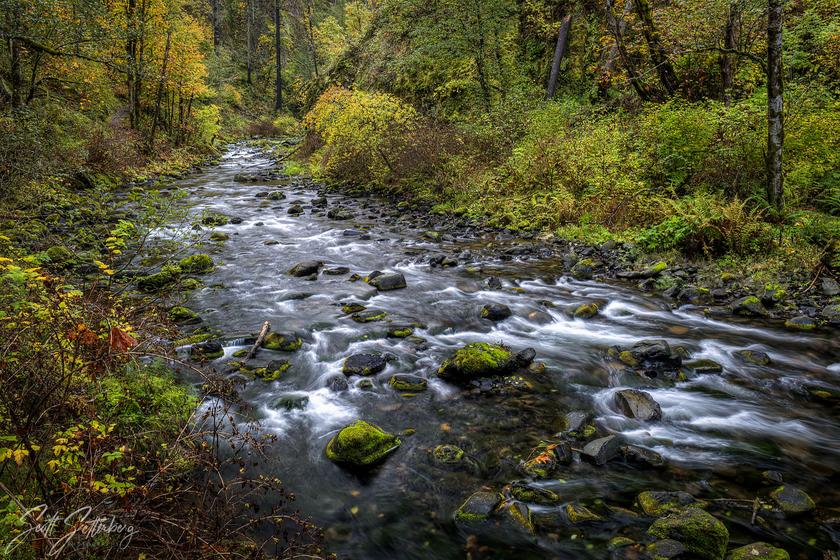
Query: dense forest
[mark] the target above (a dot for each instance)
(688, 147)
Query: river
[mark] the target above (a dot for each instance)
(718, 433)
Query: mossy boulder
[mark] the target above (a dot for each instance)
(405, 382)
(273, 370)
(219, 236)
(400, 331)
(580, 514)
(349, 308)
(361, 444)
(792, 500)
(184, 316)
(703, 366)
(196, 264)
(586, 310)
(700, 532)
(282, 342)
(448, 455)
(208, 350)
(167, 277)
(656, 504)
(753, 357)
(749, 306)
(478, 507)
(534, 494)
(546, 459)
(476, 360)
(758, 551)
(214, 219)
(369, 316)
(59, 256)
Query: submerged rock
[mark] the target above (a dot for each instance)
(389, 281)
(475, 360)
(792, 500)
(638, 404)
(754, 357)
(361, 444)
(364, 364)
(801, 323)
(291, 402)
(447, 454)
(337, 383)
(703, 366)
(666, 549)
(306, 268)
(496, 311)
(601, 450)
(400, 331)
(758, 551)
(408, 383)
(209, 350)
(337, 271)
(701, 533)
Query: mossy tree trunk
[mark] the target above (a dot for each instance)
(775, 116)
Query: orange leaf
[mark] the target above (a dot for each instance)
(121, 341)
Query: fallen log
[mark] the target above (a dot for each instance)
(263, 332)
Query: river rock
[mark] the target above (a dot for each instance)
(701, 533)
(291, 402)
(184, 316)
(364, 364)
(577, 513)
(749, 306)
(648, 272)
(196, 264)
(601, 450)
(282, 342)
(208, 350)
(478, 507)
(665, 549)
(406, 382)
(295, 210)
(801, 323)
(337, 383)
(339, 213)
(656, 504)
(586, 310)
(276, 195)
(545, 460)
(337, 271)
(219, 236)
(524, 492)
(642, 456)
(369, 316)
(448, 455)
(387, 281)
(831, 313)
(476, 360)
(638, 404)
(400, 331)
(494, 283)
(361, 444)
(703, 366)
(496, 311)
(792, 500)
(655, 353)
(758, 551)
(583, 269)
(306, 268)
(754, 357)
(830, 287)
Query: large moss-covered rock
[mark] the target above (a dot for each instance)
(758, 551)
(660, 503)
(475, 360)
(184, 316)
(361, 444)
(196, 264)
(282, 342)
(406, 382)
(158, 281)
(701, 533)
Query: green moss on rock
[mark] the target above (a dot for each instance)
(282, 342)
(701, 533)
(196, 264)
(167, 276)
(586, 310)
(361, 444)
(758, 551)
(447, 454)
(478, 359)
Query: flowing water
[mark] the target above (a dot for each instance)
(718, 431)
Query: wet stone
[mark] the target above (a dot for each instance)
(638, 404)
(758, 551)
(496, 311)
(478, 507)
(701, 533)
(754, 357)
(388, 281)
(703, 366)
(602, 450)
(364, 364)
(407, 383)
(792, 500)
(666, 549)
(337, 383)
(656, 504)
(306, 268)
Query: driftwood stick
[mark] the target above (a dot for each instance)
(263, 331)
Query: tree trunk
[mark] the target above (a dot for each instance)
(15, 80)
(249, 17)
(131, 66)
(617, 30)
(775, 117)
(312, 40)
(217, 25)
(278, 60)
(613, 54)
(559, 51)
(161, 84)
(658, 56)
(727, 61)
